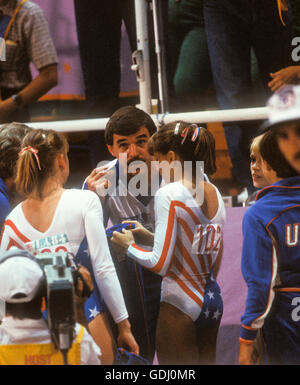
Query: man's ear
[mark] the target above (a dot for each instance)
(110, 149)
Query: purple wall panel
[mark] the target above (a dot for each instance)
(233, 287)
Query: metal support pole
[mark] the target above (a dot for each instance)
(160, 49)
(141, 57)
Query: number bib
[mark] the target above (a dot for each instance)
(207, 239)
(51, 244)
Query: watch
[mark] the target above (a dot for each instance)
(18, 100)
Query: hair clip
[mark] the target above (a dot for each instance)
(184, 134)
(176, 130)
(196, 132)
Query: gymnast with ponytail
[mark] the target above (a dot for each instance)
(63, 219)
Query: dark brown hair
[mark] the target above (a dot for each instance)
(202, 149)
(11, 136)
(49, 144)
(271, 153)
(127, 121)
(30, 309)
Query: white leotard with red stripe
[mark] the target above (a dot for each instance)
(186, 245)
(78, 215)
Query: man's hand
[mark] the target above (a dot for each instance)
(98, 181)
(126, 339)
(288, 75)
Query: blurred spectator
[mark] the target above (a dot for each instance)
(295, 4)
(283, 77)
(188, 59)
(290, 74)
(99, 36)
(233, 27)
(27, 37)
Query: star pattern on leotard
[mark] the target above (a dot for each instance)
(216, 315)
(206, 313)
(94, 312)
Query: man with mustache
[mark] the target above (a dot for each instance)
(127, 134)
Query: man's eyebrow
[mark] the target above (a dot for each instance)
(142, 136)
(122, 140)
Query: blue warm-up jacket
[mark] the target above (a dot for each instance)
(271, 251)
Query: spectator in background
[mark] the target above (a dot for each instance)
(25, 30)
(11, 136)
(188, 59)
(233, 27)
(190, 76)
(290, 74)
(283, 77)
(295, 4)
(99, 36)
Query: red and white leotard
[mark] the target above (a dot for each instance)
(77, 215)
(186, 244)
